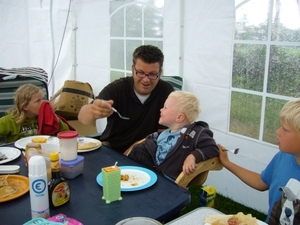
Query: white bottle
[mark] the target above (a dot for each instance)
(38, 185)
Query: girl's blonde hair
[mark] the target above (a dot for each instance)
(22, 98)
(187, 103)
(291, 113)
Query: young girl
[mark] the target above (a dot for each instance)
(22, 119)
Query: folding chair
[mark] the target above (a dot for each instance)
(175, 81)
(12, 79)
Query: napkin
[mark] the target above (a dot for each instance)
(48, 120)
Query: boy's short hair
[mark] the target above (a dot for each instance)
(291, 113)
(148, 54)
(187, 103)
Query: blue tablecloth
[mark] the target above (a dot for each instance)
(162, 201)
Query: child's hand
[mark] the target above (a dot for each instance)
(223, 157)
(189, 164)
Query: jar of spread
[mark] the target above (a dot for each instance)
(31, 150)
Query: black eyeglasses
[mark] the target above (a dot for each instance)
(151, 76)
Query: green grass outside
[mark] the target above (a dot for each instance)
(245, 116)
(223, 204)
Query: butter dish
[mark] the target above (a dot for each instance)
(9, 169)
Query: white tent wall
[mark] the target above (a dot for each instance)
(202, 54)
(93, 42)
(14, 35)
(207, 64)
(26, 37)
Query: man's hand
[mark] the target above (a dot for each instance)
(101, 109)
(89, 113)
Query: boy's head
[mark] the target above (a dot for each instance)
(183, 102)
(290, 113)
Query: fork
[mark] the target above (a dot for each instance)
(2, 156)
(235, 151)
(122, 117)
(116, 111)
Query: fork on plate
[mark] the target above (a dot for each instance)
(2, 156)
(235, 151)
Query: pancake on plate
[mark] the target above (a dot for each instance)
(8, 188)
(88, 145)
(3, 181)
(238, 219)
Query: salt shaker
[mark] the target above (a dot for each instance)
(39, 201)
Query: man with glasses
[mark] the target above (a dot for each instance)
(138, 97)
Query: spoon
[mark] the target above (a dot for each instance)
(115, 164)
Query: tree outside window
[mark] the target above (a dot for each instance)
(266, 68)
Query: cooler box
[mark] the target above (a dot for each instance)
(73, 168)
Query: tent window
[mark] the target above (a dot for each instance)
(133, 23)
(266, 71)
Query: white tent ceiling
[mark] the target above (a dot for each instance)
(198, 45)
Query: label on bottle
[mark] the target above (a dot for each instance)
(39, 198)
(55, 166)
(61, 194)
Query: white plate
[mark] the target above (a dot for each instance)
(139, 221)
(10, 152)
(258, 221)
(83, 140)
(139, 178)
(21, 143)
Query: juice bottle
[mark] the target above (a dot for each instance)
(58, 187)
(31, 150)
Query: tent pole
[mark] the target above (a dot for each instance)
(181, 39)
